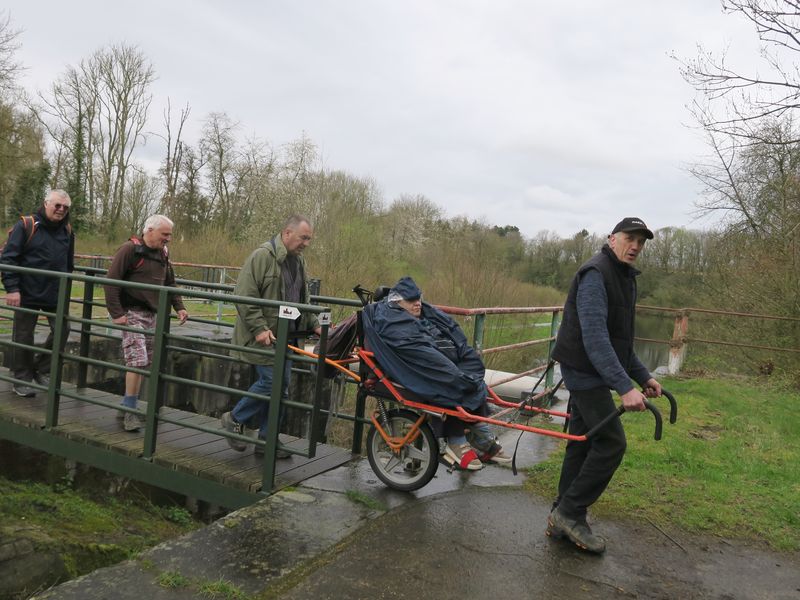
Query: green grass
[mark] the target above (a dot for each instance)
(172, 580)
(368, 501)
(729, 467)
(221, 589)
(88, 533)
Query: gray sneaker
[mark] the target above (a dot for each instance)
(578, 532)
(42, 379)
(132, 422)
(26, 391)
(230, 425)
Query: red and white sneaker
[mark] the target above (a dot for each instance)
(463, 457)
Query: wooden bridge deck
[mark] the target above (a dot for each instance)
(178, 448)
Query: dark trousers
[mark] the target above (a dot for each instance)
(453, 426)
(589, 466)
(26, 364)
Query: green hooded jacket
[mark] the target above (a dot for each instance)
(260, 277)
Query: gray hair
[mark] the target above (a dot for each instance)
(61, 194)
(156, 221)
(294, 221)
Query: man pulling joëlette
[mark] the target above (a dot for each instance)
(595, 348)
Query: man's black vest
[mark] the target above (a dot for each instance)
(620, 284)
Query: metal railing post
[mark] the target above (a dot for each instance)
(477, 336)
(221, 303)
(677, 345)
(358, 425)
(155, 390)
(86, 313)
(274, 409)
(56, 358)
(554, 323)
(315, 433)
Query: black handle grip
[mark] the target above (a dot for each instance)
(619, 411)
(657, 416)
(673, 406)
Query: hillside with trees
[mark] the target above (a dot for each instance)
(228, 191)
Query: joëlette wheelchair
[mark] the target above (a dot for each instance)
(401, 446)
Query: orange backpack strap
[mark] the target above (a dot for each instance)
(29, 226)
(137, 253)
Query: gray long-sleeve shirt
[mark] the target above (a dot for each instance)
(592, 305)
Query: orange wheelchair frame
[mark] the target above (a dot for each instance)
(401, 447)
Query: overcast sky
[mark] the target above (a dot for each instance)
(543, 115)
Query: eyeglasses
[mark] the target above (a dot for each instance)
(64, 207)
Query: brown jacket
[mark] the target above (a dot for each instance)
(140, 264)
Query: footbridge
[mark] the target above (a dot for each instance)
(178, 448)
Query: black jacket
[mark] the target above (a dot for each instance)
(51, 247)
(620, 284)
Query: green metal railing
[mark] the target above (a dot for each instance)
(163, 342)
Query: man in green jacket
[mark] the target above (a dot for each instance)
(276, 270)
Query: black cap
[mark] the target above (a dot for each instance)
(633, 224)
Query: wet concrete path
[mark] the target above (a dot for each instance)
(490, 543)
(463, 536)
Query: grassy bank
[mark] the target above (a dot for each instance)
(86, 530)
(729, 467)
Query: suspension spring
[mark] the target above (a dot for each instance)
(382, 411)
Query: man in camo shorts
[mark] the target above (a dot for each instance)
(143, 260)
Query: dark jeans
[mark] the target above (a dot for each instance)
(26, 364)
(253, 412)
(589, 466)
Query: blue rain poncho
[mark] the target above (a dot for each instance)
(429, 356)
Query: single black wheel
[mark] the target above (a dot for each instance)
(413, 465)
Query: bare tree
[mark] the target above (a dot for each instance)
(219, 149)
(736, 102)
(95, 114)
(754, 186)
(124, 75)
(171, 167)
(9, 67)
(142, 196)
(191, 208)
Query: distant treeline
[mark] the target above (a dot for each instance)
(228, 192)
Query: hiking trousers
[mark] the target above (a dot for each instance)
(27, 364)
(589, 466)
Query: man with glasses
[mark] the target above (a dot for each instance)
(40, 241)
(142, 259)
(276, 270)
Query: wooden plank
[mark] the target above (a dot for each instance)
(23, 411)
(198, 458)
(204, 455)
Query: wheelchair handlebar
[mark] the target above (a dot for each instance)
(617, 413)
(673, 406)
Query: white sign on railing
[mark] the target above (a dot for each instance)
(288, 312)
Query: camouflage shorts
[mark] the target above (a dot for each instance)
(137, 348)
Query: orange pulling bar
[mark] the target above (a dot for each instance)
(459, 412)
(337, 364)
